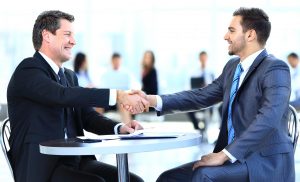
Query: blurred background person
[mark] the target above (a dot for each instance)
(293, 60)
(81, 70)
(149, 75)
(117, 78)
(201, 77)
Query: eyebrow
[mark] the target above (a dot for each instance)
(68, 32)
(231, 28)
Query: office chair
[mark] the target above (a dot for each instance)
(293, 131)
(4, 136)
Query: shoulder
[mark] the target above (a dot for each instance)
(31, 63)
(271, 63)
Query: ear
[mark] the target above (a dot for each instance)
(46, 35)
(251, 35)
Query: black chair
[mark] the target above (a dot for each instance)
(293, 126)
(4, 135)
(3, 112)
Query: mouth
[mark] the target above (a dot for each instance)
(68, 48)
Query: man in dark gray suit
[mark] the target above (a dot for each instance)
(254, 87)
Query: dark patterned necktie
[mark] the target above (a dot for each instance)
(69, 127)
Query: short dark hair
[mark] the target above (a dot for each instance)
(257, 19)
(115, 55)
(47, 20)
(202, 53)
(293, 55)
(78, 61)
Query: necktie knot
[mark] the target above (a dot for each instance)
(240, 67)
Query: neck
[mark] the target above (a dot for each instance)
(48, 54)
(251, 49)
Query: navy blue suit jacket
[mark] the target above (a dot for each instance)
(35, 106)
(259, 115)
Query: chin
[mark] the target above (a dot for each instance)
(66, 58)
(231, 53)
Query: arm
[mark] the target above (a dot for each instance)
(34, 83)
(195, 99)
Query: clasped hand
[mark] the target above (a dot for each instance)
(133, 101)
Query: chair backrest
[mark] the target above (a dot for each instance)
(4, 136)
(293, 126)
(3, 112)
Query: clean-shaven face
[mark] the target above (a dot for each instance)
(63, 41)
(235, 36)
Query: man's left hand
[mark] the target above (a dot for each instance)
(130, 127)
(213, 159)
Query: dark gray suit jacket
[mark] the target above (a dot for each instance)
(35, 106)
(259, 114)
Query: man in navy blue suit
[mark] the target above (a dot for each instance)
(46, 103)
(254, 87)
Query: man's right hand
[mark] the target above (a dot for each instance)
(151, 99)
(135, 103)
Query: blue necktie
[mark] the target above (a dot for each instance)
(234, 88)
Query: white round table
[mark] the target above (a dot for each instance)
(119, 147)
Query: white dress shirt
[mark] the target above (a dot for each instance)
(246, 63)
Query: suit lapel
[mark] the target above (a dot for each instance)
(254, 65)
(38, 56)
(70, 80)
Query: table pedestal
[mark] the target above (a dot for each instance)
(123, 171)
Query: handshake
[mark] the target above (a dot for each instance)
(135, 101)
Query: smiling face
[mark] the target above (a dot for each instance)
(235, 37)
(60, 44)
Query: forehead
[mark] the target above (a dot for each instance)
(236, 22)
(65, 25)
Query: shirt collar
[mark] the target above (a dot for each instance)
(246, 63)
(54, 67)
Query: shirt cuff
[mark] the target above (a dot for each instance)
(158, 103)
(232, 159)
(117, 127)
(112, 97)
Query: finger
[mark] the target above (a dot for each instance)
(146, 104)
(198, 164)
(129, 130)
(141, 106)
(136, 125)
(132, 92)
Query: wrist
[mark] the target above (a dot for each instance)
(119, 95)
(152, 100)
(224, 156)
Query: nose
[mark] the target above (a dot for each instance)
(226, 37)
(72, 40)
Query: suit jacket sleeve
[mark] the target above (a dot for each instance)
(34, 83)
(195, 99)
(276, 91)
